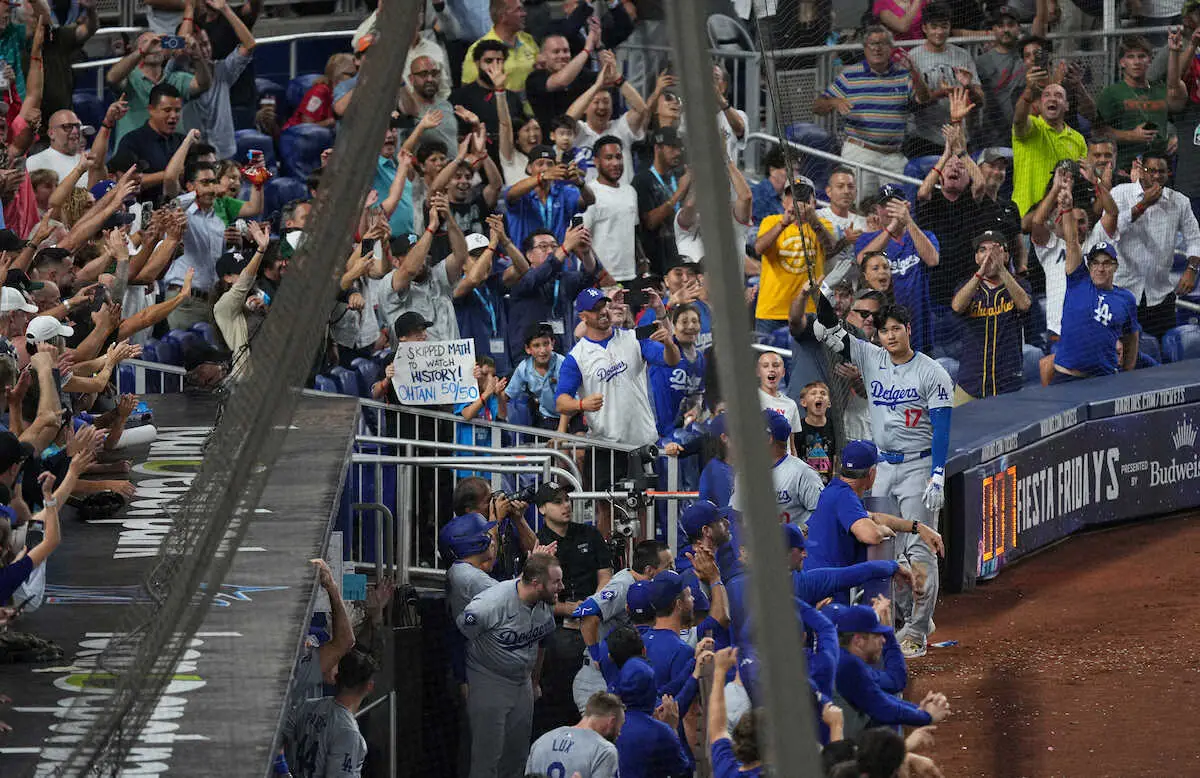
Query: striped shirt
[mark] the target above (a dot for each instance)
(879, 103)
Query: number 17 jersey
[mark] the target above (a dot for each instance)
(899, 396)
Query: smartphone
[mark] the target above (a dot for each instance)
(636, 299)
(646, 331)
(368, 246)
(173, 42)
(255, 156)
(1150, 126)
(577, 220)
(1042, 59)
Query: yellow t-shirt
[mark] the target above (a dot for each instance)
(785, 267)
(522, 56)
(1035, 156)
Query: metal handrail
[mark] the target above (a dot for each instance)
(497, 464)
(533, 453)
(762, 137)
(290, 38)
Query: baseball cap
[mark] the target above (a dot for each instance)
(801, 188)
(10, 241)
(542, 151)
(684, 261)
(549, 492)
(793, 536)
(465, 535)
(860, 455)
(834, 611)
(667, 136)
(476, 242)
(231, 263)
(1002, 12)
(861, 618)
(12, 300)
(665, 587)
(410, 322)
(637, 599)
(777, 425)
(716, 425)
(12, 450)
(1103, 248)
(990, 236)
(994, 157)
(101, 189)
(20, 279)
(588, 299)
(889, 192)
(43, 328)
(402, 244)
(697, 516)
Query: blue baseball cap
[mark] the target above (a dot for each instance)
(588, 299)
(860, 455)
(777, 425)
(889, 192)
(697, 516)
(861, 618)
(465, 535)
(664, 588)
(637, 599)
(834, 612)
(716, 425)
(1103, 248)
(793, 536)
(101, 189)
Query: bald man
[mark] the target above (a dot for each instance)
(65, 148)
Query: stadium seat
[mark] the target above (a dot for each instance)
(264, 87)
(208, 332)
(181, 338)
(279, 192)
(297, 88)
(300, 148)
(368, 373)
(1148, 345)
(1181, 343)
(150, 351)
(168, 352)
(253, 139)
(918, 167)
(324, 383)
(1030, 357)
(951, 366)
(347, 381)
(89, 107)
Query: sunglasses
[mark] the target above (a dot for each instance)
(863, 312)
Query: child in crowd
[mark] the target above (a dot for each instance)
(491, 405)
(770, 373)
(536, 378)
(562, 135)
(814, 438)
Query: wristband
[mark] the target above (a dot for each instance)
(580, 401)
(915, 526)
(938, 171)
(106, 126)
(979, 276)
(619, 82)
(717, 582)
(51, 503)
(430, 230)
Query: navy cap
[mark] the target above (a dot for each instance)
(860, 455)
(777, 425)
(231, 263)
(465, 535)
(666, 136)
(665, 587)
(793, 536)
(542, 151)
(717, 425)
(991, 236)
(410, 322)
(588, 299)
(892, 192)
(697, 516)
(549, 492)
(1103, 248)
(861, 618)
(638, 599)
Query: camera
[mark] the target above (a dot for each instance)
(524, 494)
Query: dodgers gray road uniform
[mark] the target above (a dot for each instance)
(569, 750)
(463, 583)
(321, 740)
(503, 636)
(609, 605)
(797, 489)
(900, 399)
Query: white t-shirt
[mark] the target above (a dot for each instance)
(613, 220)
(842, 223)
(58, 162)
(690, 244)
(733, 144)
(1053, 259)
(782, 405)
(514, 170)
(616, 370)
(586, 137)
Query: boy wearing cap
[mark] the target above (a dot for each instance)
(548, 198)
(793, 247)
(993, 302)
(536, 377)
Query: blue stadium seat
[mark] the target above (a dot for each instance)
(297, 88)
(89, 107)
(1148, 344)
(208, 332)
(300, 148)
(368, 371)
(951, 366)
(150, 351)
(266, 86)
(324, 383)
(182, 339)
(281, 191)
(918, 167)
(253, 139)
(1181, 343)
(169, 352)
(384, 356)
(1030, 357)
(347, 381)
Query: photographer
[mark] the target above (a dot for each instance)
(587, 567)
(515, 539)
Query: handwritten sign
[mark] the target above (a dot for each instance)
(438, 372)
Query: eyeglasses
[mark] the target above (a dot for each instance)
(68, 126)
(863, 312)
(879, 44)
(548, 246)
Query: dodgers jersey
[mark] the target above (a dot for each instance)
(900, 396)
(616, 369)
(321, 739)
(609, 603)
(797, 490)
(569, 750)
(463, 582)
(503, 633)
(1093, 320)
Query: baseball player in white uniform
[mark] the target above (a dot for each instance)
(797, 485)
(910, 398)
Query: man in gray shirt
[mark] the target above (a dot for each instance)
(585, 749)
(203, 245)
(505, 627)
(321, 737)
(944, 67)
(1002, 75)
(211, 112)
(465, 539)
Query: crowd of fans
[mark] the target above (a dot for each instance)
(534, 196)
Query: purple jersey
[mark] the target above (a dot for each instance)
(991, 360)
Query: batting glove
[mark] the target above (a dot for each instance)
(935, 495)
(833, 337)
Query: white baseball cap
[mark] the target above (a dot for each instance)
(13, 300)
(477, 241)
(43, 328)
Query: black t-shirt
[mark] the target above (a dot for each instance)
(146, 144)
(548, 103)
(582, 553)
(955, 224)
(224, 40)
(1002, 214)
(817, 446)
(653, 190)
(481, 101)
(471, 217)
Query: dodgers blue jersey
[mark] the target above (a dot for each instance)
(910, 282)
(726, 765)
(670, 386)
(716, 482)
(1092, 322)
(829, 528)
